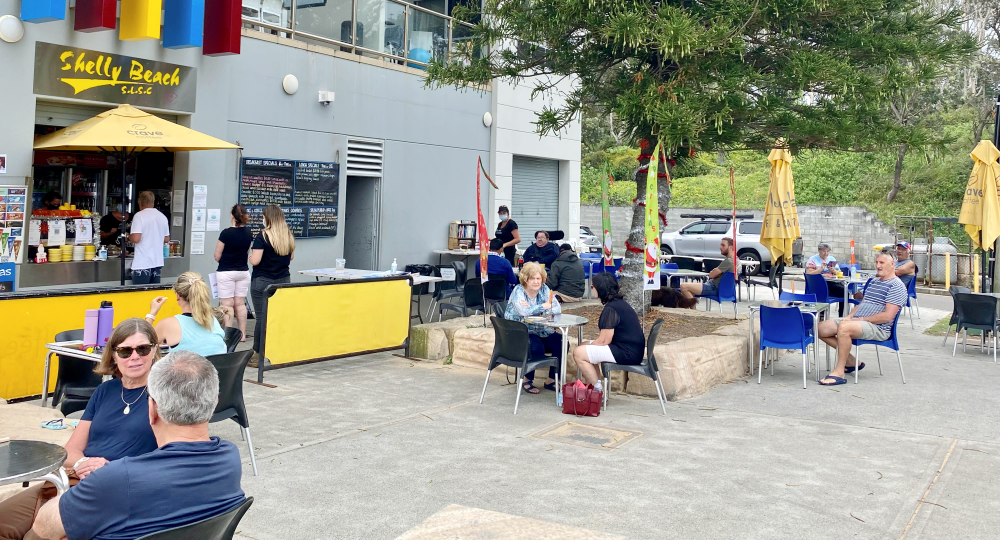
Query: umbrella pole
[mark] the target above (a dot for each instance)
(124, 237)
(996, 245)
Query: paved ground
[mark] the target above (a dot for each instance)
(372, 446)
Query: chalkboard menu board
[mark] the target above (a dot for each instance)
(307, 191)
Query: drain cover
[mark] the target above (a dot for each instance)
(598, 437)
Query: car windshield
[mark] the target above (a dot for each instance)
(586, 230)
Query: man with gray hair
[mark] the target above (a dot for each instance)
(871, 320)
(189, 478)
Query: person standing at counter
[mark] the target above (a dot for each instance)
(110, 225)
(233, 274)
(272, 251)
(507, 231)
(150, 231)
(52, 200)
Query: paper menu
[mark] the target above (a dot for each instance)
(12, 222)
(57, 232)
(214, 219)
(200, 196)
(197, 243)
(84, 231)
(198, 223)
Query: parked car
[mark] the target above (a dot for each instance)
(701, 239)
(589, 242)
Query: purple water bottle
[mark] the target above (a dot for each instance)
(105, 323)
(90, 323)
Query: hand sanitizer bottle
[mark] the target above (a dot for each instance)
(392, 269)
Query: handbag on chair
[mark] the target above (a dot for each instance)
(581, 399)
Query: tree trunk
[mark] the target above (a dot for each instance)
(632, 267)
(897, 174)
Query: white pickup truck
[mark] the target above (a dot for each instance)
(701, 239)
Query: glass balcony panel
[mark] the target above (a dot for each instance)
(427, 38)
(330, 19)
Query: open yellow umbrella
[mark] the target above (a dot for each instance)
(981, 207)
(125, 132)
(781, 218)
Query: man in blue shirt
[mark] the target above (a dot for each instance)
(189, 478)
(871, 320)
(542, 251)
(497, 264)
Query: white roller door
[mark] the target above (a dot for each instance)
(535, 197)
(53, 113)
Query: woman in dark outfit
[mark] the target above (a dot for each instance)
(271, 253)
(507, 231)
(621, 340)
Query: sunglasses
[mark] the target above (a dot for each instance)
(126, 352)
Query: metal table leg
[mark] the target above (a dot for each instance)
(561, 376)
(827, 347)
(45, 377)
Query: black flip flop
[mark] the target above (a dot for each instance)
(550, 386)
(528, 387)
(850, 369)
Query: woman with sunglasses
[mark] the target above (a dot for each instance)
(115, 424)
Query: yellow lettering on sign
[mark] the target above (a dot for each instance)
(66, 56)
(80, 64)
(166, 82)
(158, 78)
(135, 72)
(107, 68)
(147, 76)
(175, 79)
(116, 72)
(89, 68)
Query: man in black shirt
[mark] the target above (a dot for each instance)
(109, 227)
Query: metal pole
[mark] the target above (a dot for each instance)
(996, 141)
(124, 237)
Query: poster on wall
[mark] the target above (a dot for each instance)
(12, 204)
(3, 163)
(307, 191)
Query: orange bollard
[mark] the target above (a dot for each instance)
(852, 251)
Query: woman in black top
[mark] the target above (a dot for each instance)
(233, 275)
(273, 250)
(621, 340)
(507, 231)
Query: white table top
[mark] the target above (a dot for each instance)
(561, 321)
(346, 273)
(64, 348)
(741, 262)
(418, 279)
(460, 252)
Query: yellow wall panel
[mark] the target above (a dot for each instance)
(337, 318)
(140, 19)
(30, 323)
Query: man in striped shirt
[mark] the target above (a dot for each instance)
(871, 319)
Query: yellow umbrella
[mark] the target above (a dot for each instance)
(781, 219)
(125, 132)
(981, 207)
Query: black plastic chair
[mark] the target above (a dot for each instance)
(500, 309)
(473, 295)
(495, 289)
(231, 367)
(646, 368)
(976, 311)
(953, 290)
(233, 337)
(448, 289)
(220, 527)
(513, 348)
(76, 380)
(687, 263)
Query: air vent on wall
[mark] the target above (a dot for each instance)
(364, 157)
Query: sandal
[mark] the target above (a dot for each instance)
(530, 388)
(850, 369)
(550, 386)
(54, 424)
(836, 381)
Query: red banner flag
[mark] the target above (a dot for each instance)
(484, 245)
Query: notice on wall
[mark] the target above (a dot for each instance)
(35, 233)
(214, 219)
(84, 231)
(307, 191)
(198, 224)
(177, 205)
(267, 181)
(200, 197)
(3, 163)
(178, 221)
(57, 232)
(213, 281)
(197, 243)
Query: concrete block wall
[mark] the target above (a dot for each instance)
(836, 225)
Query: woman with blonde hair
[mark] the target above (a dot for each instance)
(271, 254)
(533, 297)
(196, 328)
(115, 424)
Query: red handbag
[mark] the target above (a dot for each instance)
(581, 399)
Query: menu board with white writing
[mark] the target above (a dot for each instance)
(307, 192)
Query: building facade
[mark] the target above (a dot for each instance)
(405, 154)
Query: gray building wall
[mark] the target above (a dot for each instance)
(432, 137)
(834, 224)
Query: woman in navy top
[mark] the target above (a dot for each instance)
(115, 424)
(621, 340)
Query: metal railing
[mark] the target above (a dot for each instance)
(442, 44)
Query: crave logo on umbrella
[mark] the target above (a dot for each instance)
(84, 74)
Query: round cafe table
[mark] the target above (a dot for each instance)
(563, 323)
(23, 461)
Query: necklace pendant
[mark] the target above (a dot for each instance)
(128, 409)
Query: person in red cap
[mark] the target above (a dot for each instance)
(906, 270)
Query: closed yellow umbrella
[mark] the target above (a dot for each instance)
(981, 207)
(781, 218)
(125, 132)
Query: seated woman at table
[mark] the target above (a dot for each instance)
(196, 328)
(826, 265)
(115, 424)
(621, 340)
(533, 297)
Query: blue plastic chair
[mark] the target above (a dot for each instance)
(891, 343)
(911, 292)
(807, 318)
(727, 292)
(784, 328)
(669, 266)
(816, 284)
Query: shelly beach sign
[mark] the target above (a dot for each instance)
(97, 76)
